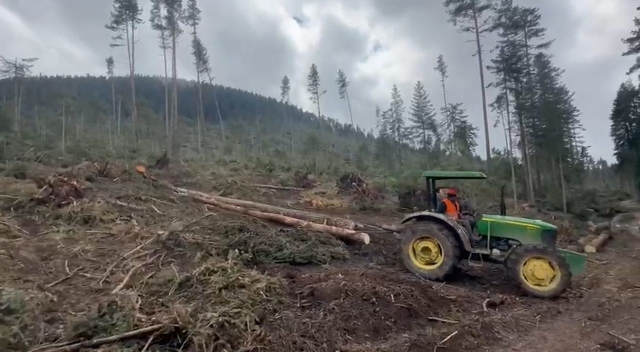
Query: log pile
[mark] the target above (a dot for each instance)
(626, 223)
(343, 229)
(598, 237)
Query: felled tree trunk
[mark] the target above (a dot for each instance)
(626, 206)
(599, 228)
(343, 234)
(298, 214)
(597, 244)
(583, 241)
(318, 219)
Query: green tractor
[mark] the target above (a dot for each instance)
(433, 244)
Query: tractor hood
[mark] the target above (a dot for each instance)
(512, 220)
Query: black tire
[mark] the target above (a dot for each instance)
(448, 246)
(557, 285)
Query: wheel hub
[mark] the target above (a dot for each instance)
(538, 272)
(427, 253)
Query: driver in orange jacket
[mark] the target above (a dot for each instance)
(450, 207)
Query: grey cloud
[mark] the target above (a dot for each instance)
(250, 51)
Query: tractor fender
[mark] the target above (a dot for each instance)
(459, 231)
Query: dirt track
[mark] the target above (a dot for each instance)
(64, 263)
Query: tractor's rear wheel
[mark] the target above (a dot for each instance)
(540, 271)
(429, 250)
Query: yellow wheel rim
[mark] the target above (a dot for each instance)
(540, 273)
(426, 253)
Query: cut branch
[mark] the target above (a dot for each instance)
(106, 340)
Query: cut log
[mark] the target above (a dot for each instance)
(597, 244)
(583, 241)
(292, 213)
(283, 188)
(343, 234)
(626, 206)
(599, 228)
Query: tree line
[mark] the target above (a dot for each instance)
(534, 107)
(625, 116)
(544, 152)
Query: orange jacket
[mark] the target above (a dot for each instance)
(452, 209)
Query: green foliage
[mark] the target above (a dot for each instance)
(467, 13)
(423, 127)
(625, 131)
(285, 89)
(633, 44)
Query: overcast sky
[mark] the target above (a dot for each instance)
(378, 43)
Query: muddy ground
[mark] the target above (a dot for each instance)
(108, 252)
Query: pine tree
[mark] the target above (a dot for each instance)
(343, 92)
(461, 134)
(512, 69)
(625, 131)
(17, 69)
(285, 90)
(123, 22)
(158, 24)
(172, 17)
(554, 141)
(633, 45)
(110, 66)
(470, 17)
(313, 86)
(201, 61)
(423, 123)
(443, 69)
(395, 116)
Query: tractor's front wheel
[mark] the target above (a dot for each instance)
(429, 250)
(540, 271)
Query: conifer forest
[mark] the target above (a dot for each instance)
(165, 213)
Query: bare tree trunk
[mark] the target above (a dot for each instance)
(484, 94)
(215, 99)
(38, 127)
(166, 94)
(20, 95)
(110, 135)
(346, 93)
(444, 92)
(292, 137)
(174, 72)
(527, 159)
(510, 151)
(562, 186)
(16, 118)
(119, 116)
(64, 127)
(204, 123)
(113, 99)
(131, 47)
(199, 112)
